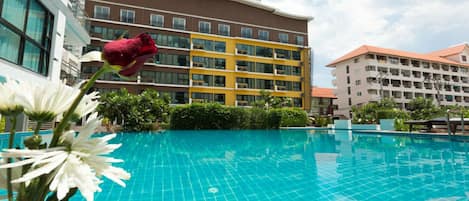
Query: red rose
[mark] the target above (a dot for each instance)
(131, 54)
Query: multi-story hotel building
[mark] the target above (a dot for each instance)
(371, 73)
(222, 51)
(322, 101)
(34, 37)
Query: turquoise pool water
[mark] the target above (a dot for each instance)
(288, 165)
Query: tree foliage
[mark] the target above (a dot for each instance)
(422, 108)
(135, 112)
(216, 116)
(371, 113)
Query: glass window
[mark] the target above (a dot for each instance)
(246, 32)
(9, 42)
(31, 57)
(263, 51)
(108, 33)
(296, 71)
(296, 55)
(263, 35)
(283, 37)
(208, 45)
(219, 81)
(172, 59)
(170, 41)
(29, 45)
(205, 62)
(101, 12)
(245, 49)
(179, 23)
(127, 16)
(224, 29)
(300, 40)
(36, 18)
(245, 66)
(282, 54)
(296, 86)
(264, 84)
(204, 27)
(264, 68)
(157, 20)
(463, 58)
(14, 11)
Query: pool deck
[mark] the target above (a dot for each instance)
(387, 132)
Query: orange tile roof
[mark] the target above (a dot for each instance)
(322, 92)
(450, 51)
(365, 49)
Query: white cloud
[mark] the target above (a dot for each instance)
(343, 25)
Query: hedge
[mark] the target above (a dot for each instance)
(216, 116)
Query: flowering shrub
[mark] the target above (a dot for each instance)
(73, 160)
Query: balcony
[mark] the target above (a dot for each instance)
(242, 85)
(280, 88)
(279, 56)
(241, 52)
(196, 100)
(241, 103)
(197, 47)
(198, 83)
(198, 64)
(279, 72)
(241, 68)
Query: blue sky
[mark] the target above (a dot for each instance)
(411, 25)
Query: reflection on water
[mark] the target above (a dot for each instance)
(289, 165)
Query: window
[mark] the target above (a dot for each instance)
(29, 45)
(224, 29)
(464, 58)
(348, 80)
(164, 77)
(170, 40)
(359, 93)
(357, 82)
(108, 33)
(283, 37)
(127, 16)
(208, 45)
(172, 59)
(157, 20)
(264, 68)
(296, 55)
(245, 49)
(282, 54)
(208, 80)
(263, 35)
(356, 60)
(101, 12)
(179, 23)
(204, 27)
(206, 97)
(300, 40)
(349, 101)
(205, 62)
(246, 32)
(347, 69)
(264, 52)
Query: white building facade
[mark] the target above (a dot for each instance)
(35, 35)
(368, 74)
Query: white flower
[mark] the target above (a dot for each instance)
(77, 164)
(48, 100)
(11, 95)
(88, 104)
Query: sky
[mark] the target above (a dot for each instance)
(340, 26)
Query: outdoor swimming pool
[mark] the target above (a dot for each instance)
(288, 165)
